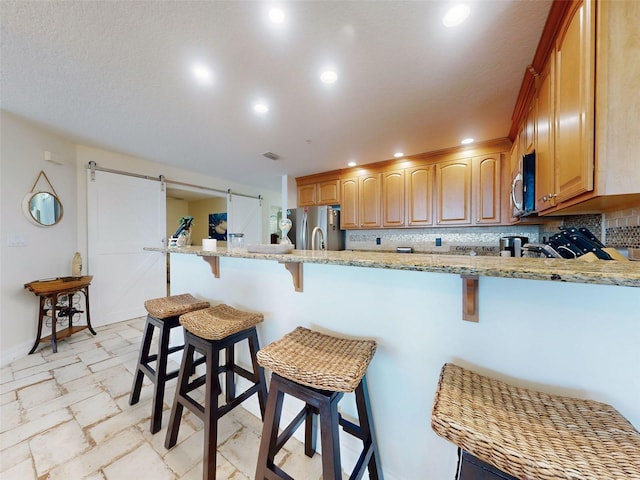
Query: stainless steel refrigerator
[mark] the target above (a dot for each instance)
(326, 219)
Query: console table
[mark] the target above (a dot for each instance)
(57, 295)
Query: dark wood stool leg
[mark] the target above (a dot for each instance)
(230, 382)
(176, 410)
(310, 430)
(366, 425)
(143, 359)
(269, 440)
(258, 371)
(329, 433)
(211, 413)
(161, 379)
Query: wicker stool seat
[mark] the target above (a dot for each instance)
(174, 306)
(162, 313)
(209, 332)
(530, 434)
(216, 323)
(318, 369)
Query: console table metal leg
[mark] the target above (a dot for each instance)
(40, 315)
(54, 322)
(86, 302)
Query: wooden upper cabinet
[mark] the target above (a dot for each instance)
(393, 198)
(318, 190)
(329, 192)
(370, 200)
(453, 187)
(487, 188)
(545, 159)
(574, 103)
(528, 131)
(350, 205)
(306, 195)
(419, 196)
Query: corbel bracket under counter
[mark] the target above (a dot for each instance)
(294, 268)
(470, 298)
(214, 262)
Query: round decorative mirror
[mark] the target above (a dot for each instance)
(42, 208)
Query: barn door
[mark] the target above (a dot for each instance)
(125, 214)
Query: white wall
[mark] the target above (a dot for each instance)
(48, 251)
(573, 339)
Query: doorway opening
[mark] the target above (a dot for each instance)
(197, 203)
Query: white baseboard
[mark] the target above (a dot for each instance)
(14, 353)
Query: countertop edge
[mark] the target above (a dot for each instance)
(626, 274)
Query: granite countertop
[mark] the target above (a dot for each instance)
(601, 272)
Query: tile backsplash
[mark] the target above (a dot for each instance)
(620, 229)
(591, 222)
(455, 240)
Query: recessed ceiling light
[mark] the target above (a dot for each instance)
(276, 15)
(328, 76)
(467, 141)
(351, 164)
(261, 107)
(398, 154)
(202, 73)
(456, 15)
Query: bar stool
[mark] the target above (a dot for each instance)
(209, 332)
(318, 369)
(163, 314)
(510, 432)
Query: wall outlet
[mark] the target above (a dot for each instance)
(378, 240)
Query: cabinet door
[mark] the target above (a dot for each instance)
(574, 101)
(370, 201)
(393, 198)
(487, 188)
(453, 187)
(349, 207)
(515, 166)
(419, 191)
(307, 195)
(528, 130)
(328, 192)
(545, 162)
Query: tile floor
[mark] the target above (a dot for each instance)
(67, 416)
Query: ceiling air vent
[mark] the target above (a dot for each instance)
(271, 155)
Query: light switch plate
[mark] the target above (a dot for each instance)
(16, 240)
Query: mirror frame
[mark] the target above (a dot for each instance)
(28, 209)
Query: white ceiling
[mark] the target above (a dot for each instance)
(116, 74)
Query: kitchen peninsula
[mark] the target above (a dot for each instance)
(576, 336)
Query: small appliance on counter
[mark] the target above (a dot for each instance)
(513, 244)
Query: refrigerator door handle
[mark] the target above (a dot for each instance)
(304, 230)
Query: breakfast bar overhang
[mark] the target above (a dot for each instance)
(576, 335)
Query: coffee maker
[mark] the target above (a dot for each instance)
(513, 244)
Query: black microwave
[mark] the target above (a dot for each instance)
(523, 189)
